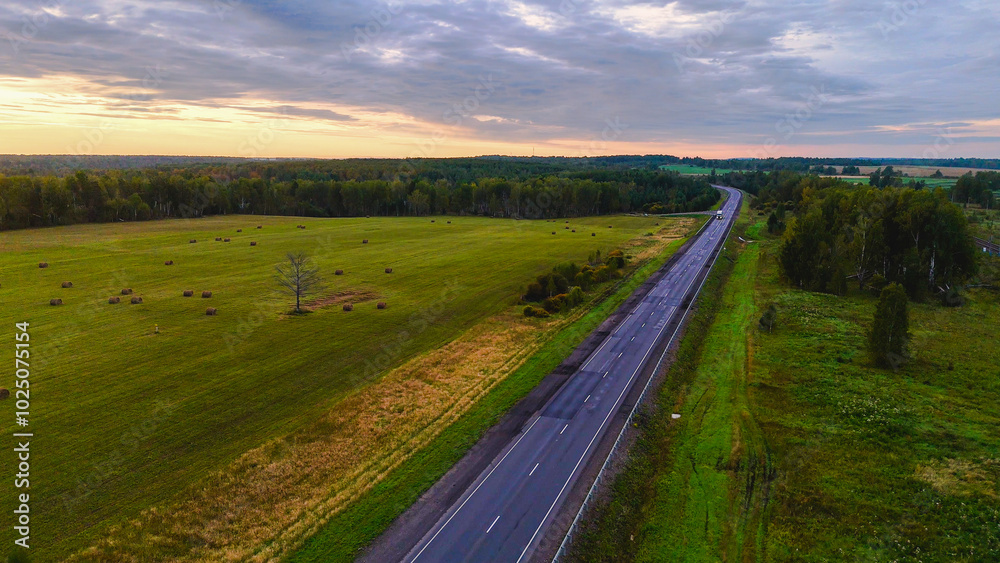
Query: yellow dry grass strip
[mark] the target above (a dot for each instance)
(271, 499)
(279, 494)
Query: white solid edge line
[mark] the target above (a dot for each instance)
(599, 429)
(493, 524)
(533, 469)
(457, 510)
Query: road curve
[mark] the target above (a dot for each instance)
(504, 513)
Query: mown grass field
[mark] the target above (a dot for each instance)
(690, 169)
(930, 182)
(791, 447)
(126, 419)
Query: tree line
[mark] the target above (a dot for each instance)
(874, 237)
(344, 189)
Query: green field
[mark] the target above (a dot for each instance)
(791, 447)
(931, 183)
(126, 419)
(689, 169)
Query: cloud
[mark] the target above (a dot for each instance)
(708, 71)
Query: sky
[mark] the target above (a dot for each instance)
(357, 78)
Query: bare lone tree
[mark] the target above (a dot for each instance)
(299, 278)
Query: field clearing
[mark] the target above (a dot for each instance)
(931, 182)
(132, 418)
(693, 170)
(925, 171)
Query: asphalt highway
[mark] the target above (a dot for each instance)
(505, 511)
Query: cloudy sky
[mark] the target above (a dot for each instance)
(715, 78)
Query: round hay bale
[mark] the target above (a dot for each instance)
(226, 240)
(206, 294)
(192, 241)
(567, 228)
(55, 302)
(211, 311)
(573, 231)
(137, 300)
(388, 270)
(593, 234)
(239, 230)
(218, 239)
(4, 394)
(253, 244)
(553, 232)
(260, 226)
(114, 300)
(127, 291)
(168, 263)
(338, 273)
(348, 307)
(364, 241)
(567, 222)
(432, 221)
(67, 284)
(449, 222)
(188, 293)
(43, 264)
(381, 305)
(610, 226)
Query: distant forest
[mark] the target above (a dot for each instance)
(62, 165)
(498, 187)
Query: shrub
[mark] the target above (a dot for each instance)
(536, 292)
(531, 311)
(555, 303)
(890, 330)
(602, 274)
(584, 279)
(616, 259)
(568, 270)
(769, 319)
